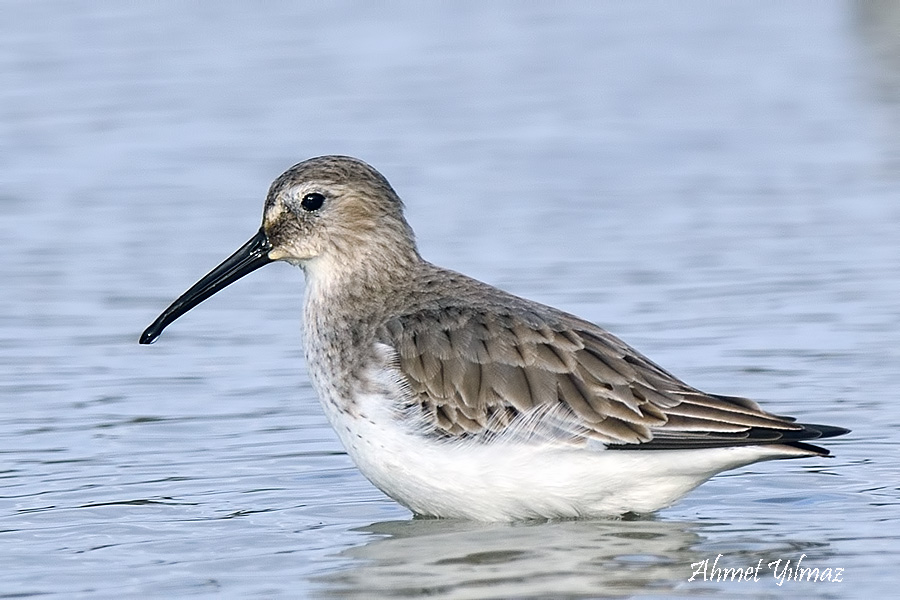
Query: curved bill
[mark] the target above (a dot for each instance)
(249, 257)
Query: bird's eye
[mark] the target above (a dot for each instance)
(312, 202)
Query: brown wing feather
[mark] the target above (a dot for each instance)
(477, 371)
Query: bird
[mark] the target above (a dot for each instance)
(460, 400)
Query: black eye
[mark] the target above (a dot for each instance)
(312, 201)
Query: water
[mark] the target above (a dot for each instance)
(716, 184)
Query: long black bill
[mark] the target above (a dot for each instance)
(249, 257)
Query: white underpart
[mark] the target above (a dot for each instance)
(516, 479)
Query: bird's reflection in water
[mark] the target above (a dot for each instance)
(450, 559)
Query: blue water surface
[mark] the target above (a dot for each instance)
(718, 184)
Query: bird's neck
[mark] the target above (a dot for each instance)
(344, 305)
(368, 272)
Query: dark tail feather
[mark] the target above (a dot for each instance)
(825, 431)
(814, 432)
(753, 436)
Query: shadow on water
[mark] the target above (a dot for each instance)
(572, 559)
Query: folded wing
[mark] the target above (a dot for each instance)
(482, 373)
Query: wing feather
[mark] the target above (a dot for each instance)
(488, 371)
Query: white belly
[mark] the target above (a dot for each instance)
(510, 480)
